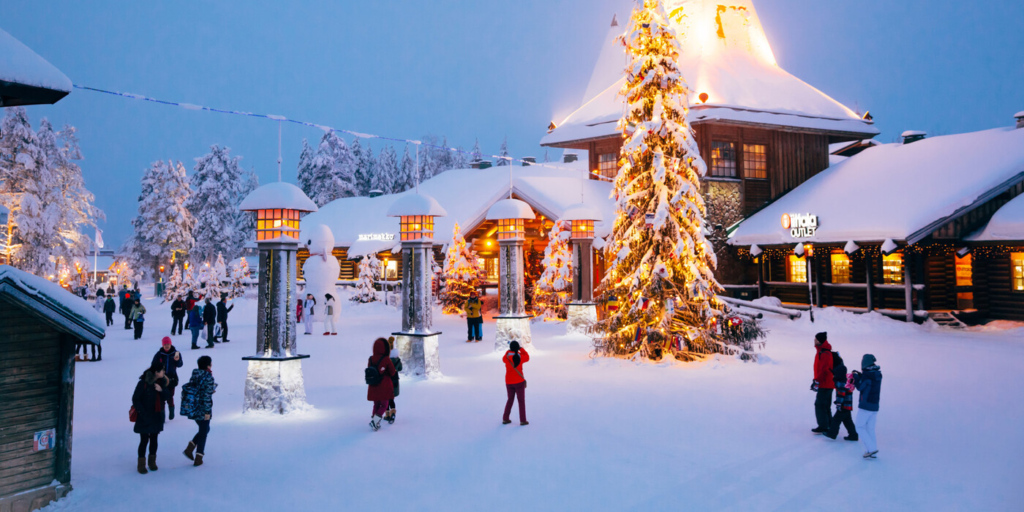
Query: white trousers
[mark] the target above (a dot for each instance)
(866, 429)
(308, 320)
(329, 324)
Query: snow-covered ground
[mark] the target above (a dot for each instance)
(603, 434)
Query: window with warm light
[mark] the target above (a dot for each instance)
(511, 229)
(583, 229)
(417, 227)
(723, 159)
(490, 268)
(964, 272)
(840, 268)
(892, 268)
(796, 269)
(608, 165)
(1017, 271)
(755, 161)
(273, 224)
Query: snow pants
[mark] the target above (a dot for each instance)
(308, 320)
(329, 325)
(866, 427)
(200, 438)
(822, 408)
(475, 326)
(516, 391)
(842, 416)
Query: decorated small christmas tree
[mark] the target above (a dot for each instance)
(174, 285)
(369, 271)
(660, 265)
(239, 273)
(554, 286)
(190, 282)
(461, 274)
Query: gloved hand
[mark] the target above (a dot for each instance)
(814, 385)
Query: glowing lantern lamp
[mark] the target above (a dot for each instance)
(274, 381)
(512, 323)
(582, 312)
(417, 344)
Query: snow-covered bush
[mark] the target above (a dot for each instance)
(554, 287)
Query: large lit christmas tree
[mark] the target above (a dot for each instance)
(460, 274)
(554, 286)
(660, 265)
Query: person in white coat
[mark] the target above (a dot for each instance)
(308, 312)
(321, 272)
(330, 307)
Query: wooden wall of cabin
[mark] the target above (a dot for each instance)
(940, 281)
(30, 399)
(993, 294)
(348, 270)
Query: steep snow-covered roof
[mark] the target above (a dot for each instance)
(279, 194)
(416, 204)
(897, 191)
(466, 195)
(25, 77)
(725, 55)
(63, 309)
(1006, 224)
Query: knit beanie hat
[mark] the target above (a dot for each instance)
(867, 360)
(166, 341)
(822, 337)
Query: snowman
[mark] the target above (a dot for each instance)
(321, 271)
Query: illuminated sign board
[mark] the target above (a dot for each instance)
(800, 225)
(376, 236)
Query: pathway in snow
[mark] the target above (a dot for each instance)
(604, 434)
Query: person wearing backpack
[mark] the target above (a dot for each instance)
(330, 329)
(823, 383)
(195, 324)
(148, 405)
(197, 404)
(844, 401)
(138, 317)
(397, 362)
(169, 359)
(380, 387)
(869, 383)
(515, 382)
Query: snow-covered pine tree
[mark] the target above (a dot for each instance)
(174, 286)
(444, 158)
(163, 225)
(386, 171)
(218, 185)
(476, 155)
(461, 275)
(554, 286)
(190, 282)
(430, 157)
(369, 270)
(503, 153)
(333, 170)
(459, 159)
(304, 170)
(660, 266)
(406, 172)
(364, 167)
(245, 222)
(217, 278)
(239, 273)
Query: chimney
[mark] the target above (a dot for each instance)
(569, 158)
(1019, 116)
(529, 160)
(912, 136)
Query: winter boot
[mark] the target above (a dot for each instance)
(852, 437)
(819, 430)
(391, 417)
(152, 462)
(142, 465)
(871, 455)
(521, 423)
(171, 416)
(375, 423)
(199, 460)
(188, 451)
(506, 422)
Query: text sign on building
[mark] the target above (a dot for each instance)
(44, 440)
(376, 236)
(800, 225)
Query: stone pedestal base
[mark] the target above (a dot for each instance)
(581, 316)
(420, 354)
(275, 385)
(512, 328)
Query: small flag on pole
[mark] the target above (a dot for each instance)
(99, 239)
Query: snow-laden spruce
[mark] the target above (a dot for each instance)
(554, 286)
(218, 186)
(329, 172)
(369, 271)
(461, 274)
(163, 225)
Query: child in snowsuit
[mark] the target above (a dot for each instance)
(138, 318)
(844, 401)
(397, 362)
(382, 392)
(869, 382)
(108, 309)
(515, 382)
(474, 318)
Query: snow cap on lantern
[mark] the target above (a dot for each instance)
(583, 218)
(277, 206)
(510, 214)
(417, 212)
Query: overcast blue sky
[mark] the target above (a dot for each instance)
(461, 68)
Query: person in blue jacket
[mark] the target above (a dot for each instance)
(868, 382)
(195, 323)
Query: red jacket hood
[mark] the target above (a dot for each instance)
(380, 348)
(824, 346)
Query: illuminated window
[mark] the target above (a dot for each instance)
(1017, 271)
(273, 224)
(390, 269)
(964, 273)
(489, 267)
(608, 165)
(417, 227)
(892, 269)
(840, 268)
(755, 161)
(511, 229)
(723, 159)
(797, 270)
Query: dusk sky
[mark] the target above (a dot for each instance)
(463, 69)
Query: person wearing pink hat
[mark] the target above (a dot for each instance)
(169, 359)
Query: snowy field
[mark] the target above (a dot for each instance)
(603, 434)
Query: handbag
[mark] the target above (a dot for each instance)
(217, 331)
(133, 414)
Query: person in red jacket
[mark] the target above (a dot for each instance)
(515, 382)
(823, 383)
(384, 391)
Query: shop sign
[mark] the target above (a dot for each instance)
(800, 225)
(44, 440)
(376, 236)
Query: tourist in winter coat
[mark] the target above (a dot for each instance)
(148, 401)
(170, 360)
(397, 362)
(195, 324)
(515, 382)
(383, 392)
(869, 382)
(222, 317)
(474, 318)
(823, 383)
(177, 315)
(201, 410)
(100, 300)
(126, 306)
(108, 309)
(308, 313)
(329, 305)
(138, 316)
(210, 320)
(844, 401)
(190, 303)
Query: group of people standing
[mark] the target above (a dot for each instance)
(189, 313)
(830, 373)
(306, 313)
(155, 389)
